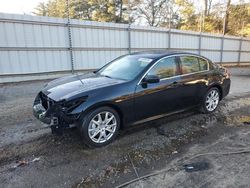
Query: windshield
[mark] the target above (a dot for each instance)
(125, 68)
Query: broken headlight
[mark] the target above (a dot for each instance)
(68, 106)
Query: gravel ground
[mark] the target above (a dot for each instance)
(165, 144)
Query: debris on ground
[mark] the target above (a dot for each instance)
(126, 170)
(245, 120)
(198, 166)
(109, 170)
(21, 163)
(36, 159)
(25, 162)
(174, 152)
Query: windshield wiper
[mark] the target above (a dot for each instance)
(106, 76)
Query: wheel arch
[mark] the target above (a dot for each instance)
(218, 86)
(106, 104)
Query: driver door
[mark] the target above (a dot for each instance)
(152, 99)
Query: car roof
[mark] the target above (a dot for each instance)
(155, 54)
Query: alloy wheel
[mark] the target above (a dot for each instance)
(212, 100)
(102, 127)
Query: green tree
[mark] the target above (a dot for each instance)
(207, 7)
(107, 11)
(180, 14)
(97, 10)
(188, 20)
(245, 31)
(41, 9)
(152, 11)
(239, 19)
(82, 9)
(55, 8)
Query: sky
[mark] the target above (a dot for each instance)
(19, 6)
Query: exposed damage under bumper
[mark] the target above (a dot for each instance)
(52, 113)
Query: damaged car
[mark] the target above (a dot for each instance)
(129, 90)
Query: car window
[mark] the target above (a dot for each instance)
(189, 64)
(203, 64)
(126, 67)
(164, 68)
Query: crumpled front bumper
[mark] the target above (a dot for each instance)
(52, 113)
(40, 113)
(45, 114)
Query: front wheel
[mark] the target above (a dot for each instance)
(211, 100)
(100, 126)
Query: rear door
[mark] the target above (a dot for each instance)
(194, 77)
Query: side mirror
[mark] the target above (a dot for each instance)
(151, 79)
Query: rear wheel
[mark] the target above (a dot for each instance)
(211, 100)
(100, 126)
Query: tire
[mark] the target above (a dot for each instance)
(209, 106)
(99, 127)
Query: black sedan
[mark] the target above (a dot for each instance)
(129, 90)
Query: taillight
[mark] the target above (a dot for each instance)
(224, 71)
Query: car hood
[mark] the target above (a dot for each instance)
(69, 86)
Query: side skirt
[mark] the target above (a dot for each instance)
(162, 115)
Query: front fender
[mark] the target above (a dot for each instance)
(88, 109)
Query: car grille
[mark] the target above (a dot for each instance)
(46, 101)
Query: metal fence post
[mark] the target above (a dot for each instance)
(129, 38)
(200, 44)
(239, 53)
(70, 40)
(221, 49)
(169, 39)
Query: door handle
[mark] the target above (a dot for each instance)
(177, 84)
